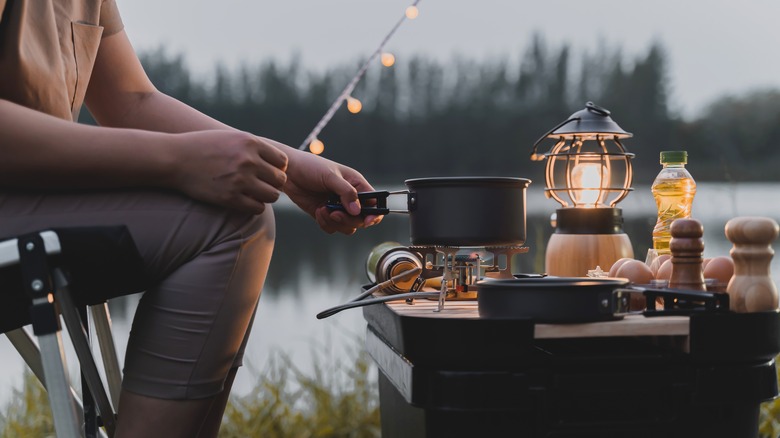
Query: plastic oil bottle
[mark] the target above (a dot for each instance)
(673, 190)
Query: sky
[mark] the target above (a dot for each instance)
(714, 47)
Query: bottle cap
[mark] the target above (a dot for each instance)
(674, 157)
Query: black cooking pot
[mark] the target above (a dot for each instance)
(458, 211)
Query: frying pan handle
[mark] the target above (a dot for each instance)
(682, 302)
(379, 209)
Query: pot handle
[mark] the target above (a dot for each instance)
(379, 209)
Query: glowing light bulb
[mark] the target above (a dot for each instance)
(591, 179)
(412, 12)
(353, 105)
(388, 59)
(316, 147)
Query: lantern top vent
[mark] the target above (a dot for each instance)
(591, 123)
(593, 120)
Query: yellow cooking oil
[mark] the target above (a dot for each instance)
(673, 190)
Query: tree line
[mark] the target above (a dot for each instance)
(425, 118)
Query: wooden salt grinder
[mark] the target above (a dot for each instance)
(687, 247)
(751, 289)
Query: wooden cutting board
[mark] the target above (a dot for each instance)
(630, 325)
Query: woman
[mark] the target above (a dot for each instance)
(194, 193)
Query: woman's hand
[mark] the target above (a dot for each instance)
(310, 179)
(232, 169)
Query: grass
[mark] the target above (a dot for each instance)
(27, 415)
(334, 401)
(337, 401)
(769, 419)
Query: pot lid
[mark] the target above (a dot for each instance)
(467, 180)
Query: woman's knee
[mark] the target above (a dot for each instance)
(172, 238)
(253, 226)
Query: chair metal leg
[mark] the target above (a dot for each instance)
(102, 321)
(90, 412)
(79, 339)
(47, 359)
(31, 251)
(63, 410)
(26, 347)
(24, 344)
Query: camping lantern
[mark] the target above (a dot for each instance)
(588, 171)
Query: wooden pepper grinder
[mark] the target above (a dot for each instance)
(751, 289)
(687, 247)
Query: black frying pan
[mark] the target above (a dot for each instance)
(560, 299)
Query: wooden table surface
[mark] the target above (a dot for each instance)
(630, 325)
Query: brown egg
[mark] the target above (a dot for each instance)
(704, 263)
(720, 268)
(637, 272)
(665, 270)
(656, 264)
(615, 266)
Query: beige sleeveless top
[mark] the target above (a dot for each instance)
(48, 49)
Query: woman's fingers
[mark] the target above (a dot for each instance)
(337, 221)
(271, 154)
(230, 168)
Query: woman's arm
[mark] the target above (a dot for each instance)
(43, 152)
(120, 94)
(132, 149)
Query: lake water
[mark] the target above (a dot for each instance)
(312, 271)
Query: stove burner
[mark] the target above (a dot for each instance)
(461, 267)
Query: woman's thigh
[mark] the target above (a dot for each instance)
(207, 266)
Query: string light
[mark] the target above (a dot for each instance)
(410, 13)
(316, 147)
(353, 105)
(388, 59)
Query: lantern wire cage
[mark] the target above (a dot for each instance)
(581, 171)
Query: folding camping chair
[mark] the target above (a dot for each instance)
(64, 272)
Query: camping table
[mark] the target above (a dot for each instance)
(454, 374)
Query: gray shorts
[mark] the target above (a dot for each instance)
(208, 265)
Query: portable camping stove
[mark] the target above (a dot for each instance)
(454, 270)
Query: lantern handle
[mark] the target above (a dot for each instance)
(540, 157)
(597, 109)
